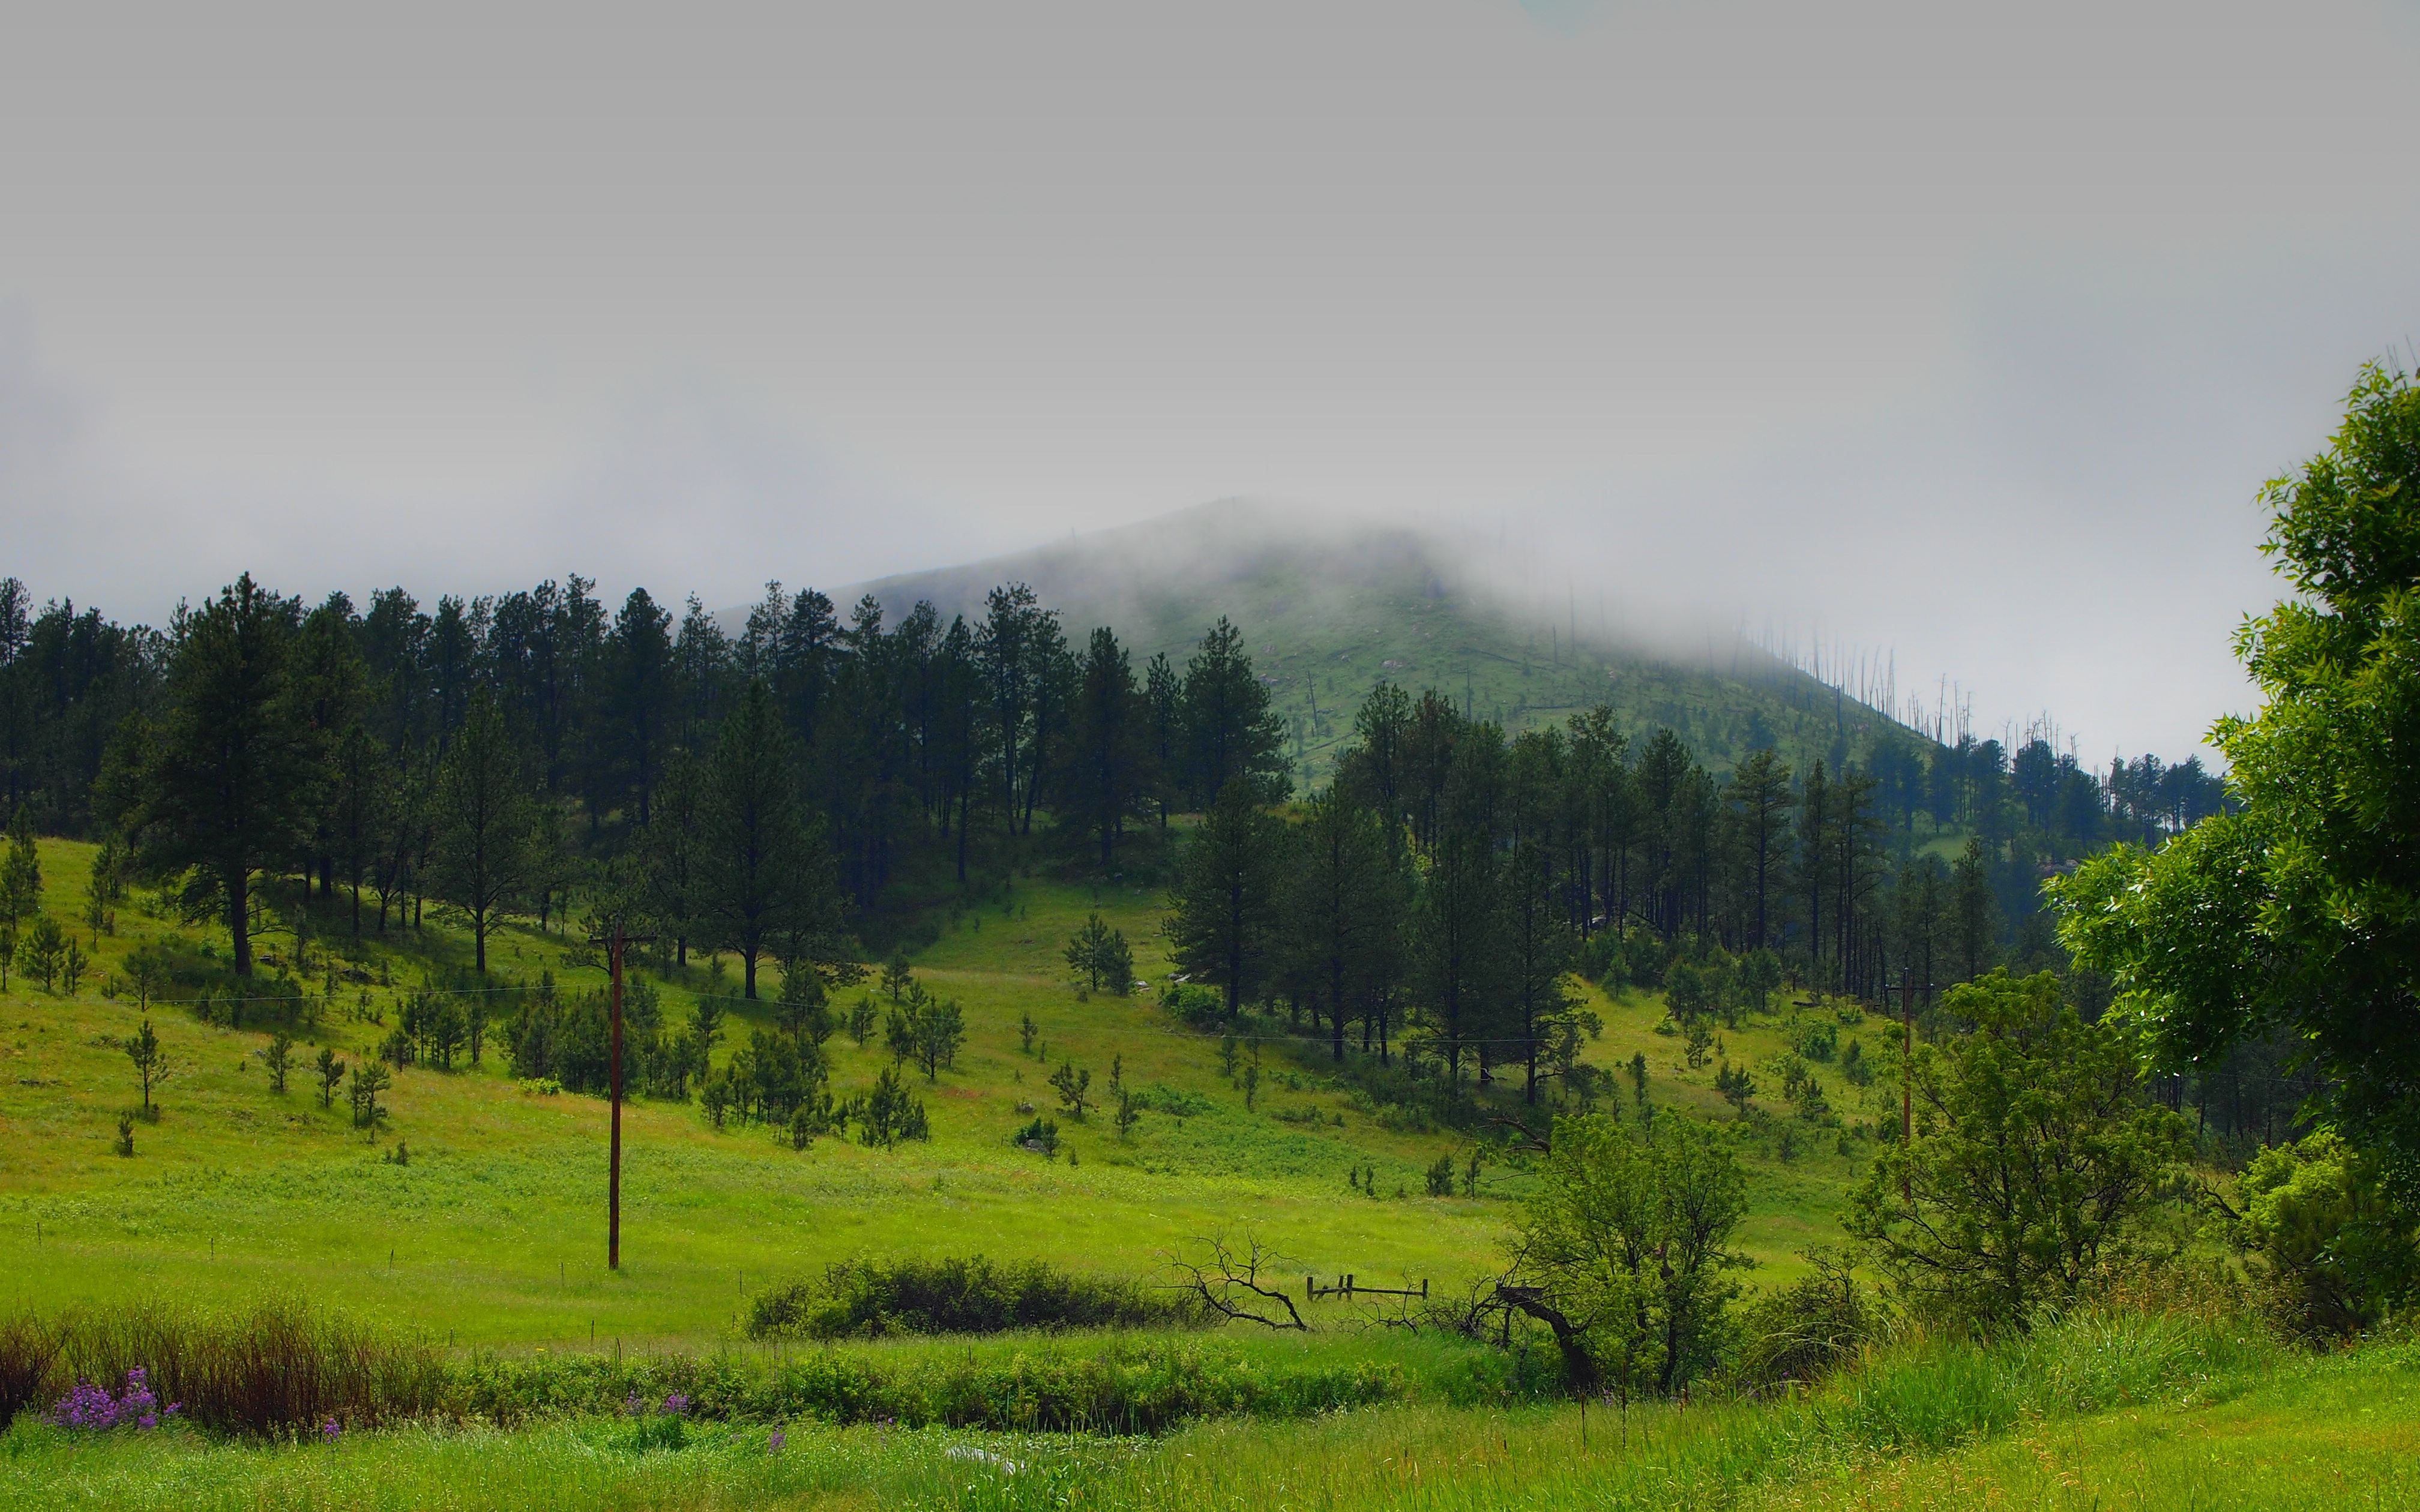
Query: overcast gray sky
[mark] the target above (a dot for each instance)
(1967, 332)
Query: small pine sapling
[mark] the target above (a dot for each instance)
(279, 1059)
(126, 1133)
(1251, 1087)
(72, 963)
(1470, 1175)
(1226, 1056)
(1025, 1029)
(1698, 1043)
(1638, 1080)
(1736, 1085)
(897, 978)
(1073, 1087)
(861, 1020)
(151, 1065)
(39, 948)
(330, 1070)
(1441, 1177)
(370, 1078)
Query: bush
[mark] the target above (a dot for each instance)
(2338, 1245)
(1199, 1007)
(1806, 1330)
(869, 1299)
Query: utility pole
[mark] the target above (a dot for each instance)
(1906, 1075)
(614, 941)
(1907, 991)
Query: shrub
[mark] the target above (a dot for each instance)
(1806, 1330)
(2335, 1240)
(1441, 1177)
(872, 1298)
(1041, 1135)
(1198, 1006)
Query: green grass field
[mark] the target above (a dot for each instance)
(495, 1233)
(492, 1238)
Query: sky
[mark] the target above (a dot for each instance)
(1965, 335)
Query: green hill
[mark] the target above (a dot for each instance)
(1330, 610)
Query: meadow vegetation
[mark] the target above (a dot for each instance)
(1018, 1094)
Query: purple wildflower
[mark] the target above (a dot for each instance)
(331, 1431)
(91, 1409)
(675, 1405)
(635, 1405)
(773, 1445)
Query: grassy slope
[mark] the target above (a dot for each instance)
(493, 1233)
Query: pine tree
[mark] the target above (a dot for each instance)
(762, 874)
(1225, 910)
(484, 855)
(226, 780)
(1231, 733)
(1106, 773)
(1343, 909)
(21, 871)
(1759, 794)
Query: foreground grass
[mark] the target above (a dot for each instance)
(2153, 1413)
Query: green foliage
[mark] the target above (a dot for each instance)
(1628, 1236)
(1222, 919)
(151, 1063)
(2337, 1241)
(279, 1059)
(1807, 1330)
(330, 1071)
(21, 871)
(2036, 1154)
(485, 854)
(370, 1078)
(223, 783)
(1735, 1085)
(41, 951)
(1101, 956)
(1040, 1136)
(2300, 913)
(1232, 734)
(1440, 1176)
(887, 1115)
(873, 1299)
(1073, 1086)
(927, 1031)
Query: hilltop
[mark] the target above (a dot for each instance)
(1330, 609)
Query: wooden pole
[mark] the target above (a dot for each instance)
(614, 1177)
(1907, 1081)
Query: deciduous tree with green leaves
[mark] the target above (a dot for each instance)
(1627, 1239)
(2299, 914)
(2036, 1151)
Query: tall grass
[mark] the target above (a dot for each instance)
(272, 1369)
(2300, 1437)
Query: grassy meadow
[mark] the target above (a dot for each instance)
(494, 1230)
(489, 1243)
